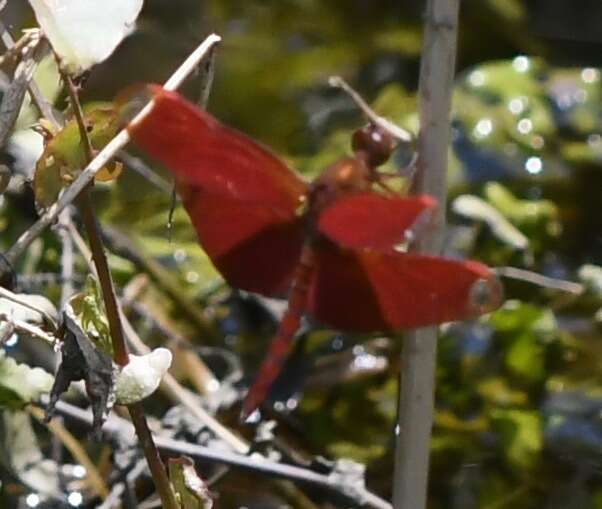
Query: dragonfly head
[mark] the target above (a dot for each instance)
(373, 144)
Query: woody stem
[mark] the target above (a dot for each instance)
(418, 360)
(120, 352)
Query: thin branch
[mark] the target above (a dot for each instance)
(13, 96)
(396, 131)
(12, 54)
(38, 98)
(207, 73)
(103, 157)
(120, 352)
(67, 258)
(172, 388)
(418, 359)
(33, 331)
(138, 165)
(13, 297)
(254, 463)
(359, 494)
(540, 280)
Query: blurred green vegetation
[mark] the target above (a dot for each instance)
(519, 399)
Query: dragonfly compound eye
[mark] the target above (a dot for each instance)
(375, 142)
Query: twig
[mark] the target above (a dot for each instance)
(67, 259)
(38, 98)
(120, 352)
(81, 246)
(13, 297)
(32, 330)
(12, 54)
(207, 74)
(540, 280)
(103, 157)
(94, 237)
(169, 384)
(395, 130)
(13, 96)
(138, 165)
(358, 494)
(510, 498)
(420, 347)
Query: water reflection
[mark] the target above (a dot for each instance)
(534, 165)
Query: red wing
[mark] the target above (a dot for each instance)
(202, 152)
(369, 290)
(376, 221)
(253, 246)
(241, 199)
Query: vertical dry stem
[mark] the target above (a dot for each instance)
(120, 352)
(420, 347)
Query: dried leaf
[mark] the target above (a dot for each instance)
(190, 488)
(82, 360)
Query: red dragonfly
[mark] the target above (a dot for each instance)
(332, 245)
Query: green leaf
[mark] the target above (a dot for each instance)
(521, 212)
(496, 390)
(521, 435)
(526, 359)
(515, 316)
(64, 156)
(21, 384)
(88, 308)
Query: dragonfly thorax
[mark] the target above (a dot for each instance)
(347, 176)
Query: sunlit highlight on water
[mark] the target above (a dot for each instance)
(524, 126)
(534, 165)
(75, 498)
(521, 63)
(32, 500)
(483, 128)
(517, 105)
(590, 75)
(476, 78)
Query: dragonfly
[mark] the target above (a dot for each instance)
(336, 247)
